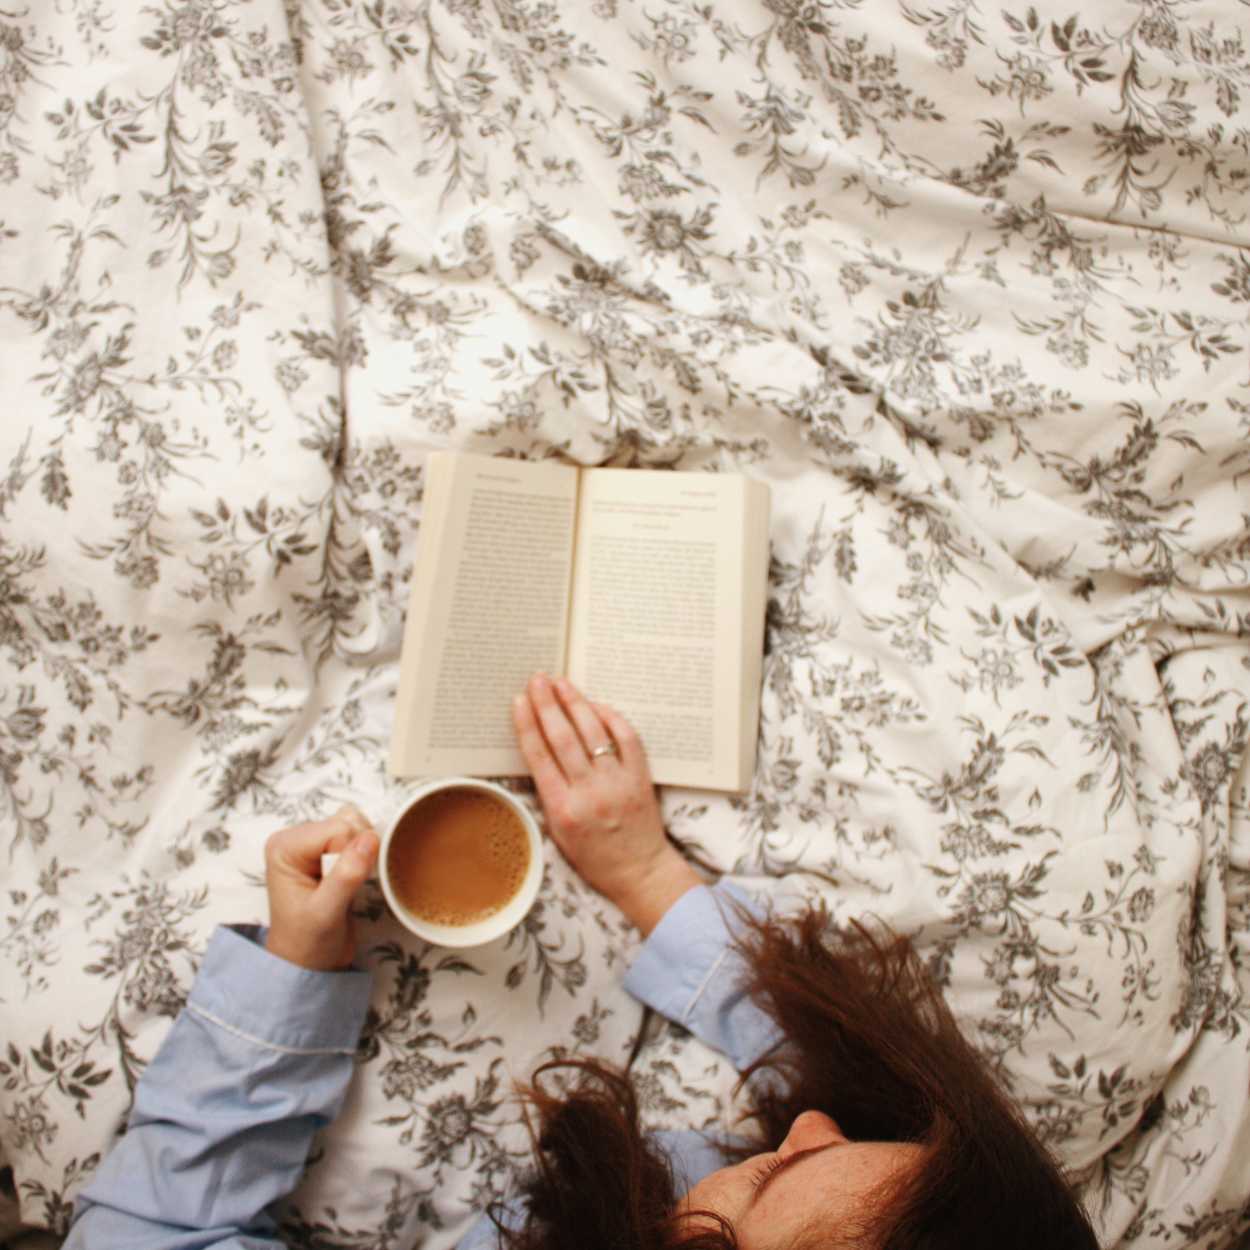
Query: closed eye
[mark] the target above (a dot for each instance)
(766, 1170)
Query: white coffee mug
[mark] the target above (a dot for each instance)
(497, 923)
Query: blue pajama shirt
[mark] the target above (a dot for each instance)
(261, 1056)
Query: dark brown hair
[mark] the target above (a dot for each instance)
(869, 1041)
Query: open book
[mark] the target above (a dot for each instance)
(646, 588)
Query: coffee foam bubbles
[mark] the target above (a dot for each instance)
(510, 854)
(465, 857)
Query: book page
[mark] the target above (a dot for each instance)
(489, 606)
(657, 627)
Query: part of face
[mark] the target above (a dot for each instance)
(830, 1184)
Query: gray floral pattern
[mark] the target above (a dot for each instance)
(968, 285)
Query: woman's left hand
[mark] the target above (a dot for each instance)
(592, 778)
(310, 922)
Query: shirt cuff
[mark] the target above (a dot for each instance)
(246, 989)
(688, 950)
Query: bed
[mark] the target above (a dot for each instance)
(967, 285)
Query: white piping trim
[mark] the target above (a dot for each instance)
(703, 984)
(260, 1041)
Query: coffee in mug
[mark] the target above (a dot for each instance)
(458, 856)
(461, 861)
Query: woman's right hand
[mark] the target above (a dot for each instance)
(602, 811)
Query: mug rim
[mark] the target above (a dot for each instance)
(498, 923)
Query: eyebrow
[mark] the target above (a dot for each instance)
(786, 1164)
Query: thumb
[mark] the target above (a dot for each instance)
(352, 870)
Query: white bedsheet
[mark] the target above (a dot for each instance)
(968, 286)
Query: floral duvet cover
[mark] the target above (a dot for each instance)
(968, 285)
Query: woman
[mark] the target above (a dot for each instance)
(877, 1125)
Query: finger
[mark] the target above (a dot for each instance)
(301, 846)
(350, 872)
(548, 779)
(628, 743)
(351, 821)
(562, 738)
(298, 847)
(353, 816)
(593, 732)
